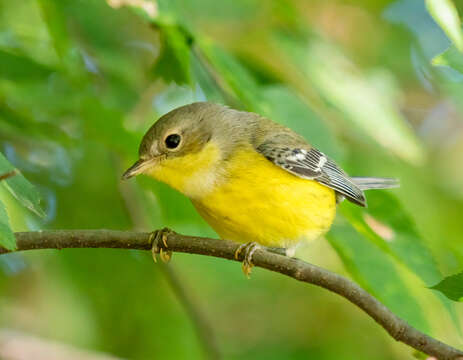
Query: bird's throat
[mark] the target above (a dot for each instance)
(194, 175)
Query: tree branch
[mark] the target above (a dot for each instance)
(399, 329)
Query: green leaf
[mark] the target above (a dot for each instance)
(445, 14)
(21, 68)
(56, 24)
(285, 107)
(7, 239)
(174, 61)
(206, 83)
(451, 58)
(451, 286)
(233, 79)
(21, 189)
(375, 272)
(385, 224)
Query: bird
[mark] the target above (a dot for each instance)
(253, 180)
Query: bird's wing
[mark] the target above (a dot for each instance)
(309, 163)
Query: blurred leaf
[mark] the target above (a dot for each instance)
(21, 68)
(174, 61)
(368, 102)
(451, 286)
(450, 57)
(386, 224)
(231, 76)
(285, 107)
(56, 24)
(277, 102)
(445, 14)
(22, 124)
(376, 273)
(7, 239)
(21, 189)
(419, 355)
(205, 81)
(95, 116)
(81, 110)
(144, 8)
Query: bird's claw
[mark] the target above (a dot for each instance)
(249, 249)
(159, 240)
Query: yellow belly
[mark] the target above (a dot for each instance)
(261, 202)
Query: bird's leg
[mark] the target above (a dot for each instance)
(158, 239)
(248, 249)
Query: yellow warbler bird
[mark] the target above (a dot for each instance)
(253, 181)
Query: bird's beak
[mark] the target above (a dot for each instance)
(138, 168)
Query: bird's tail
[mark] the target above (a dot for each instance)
(368, 183)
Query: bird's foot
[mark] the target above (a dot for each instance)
(248, 249)
(158, 239)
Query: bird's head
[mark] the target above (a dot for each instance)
(188, 142)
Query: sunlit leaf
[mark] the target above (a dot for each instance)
(451, 286)
(445, 14)
(21, 189)
(375, 272)
(147, 9)
(450, 57)
(7, 239)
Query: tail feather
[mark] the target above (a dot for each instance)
(368, 183)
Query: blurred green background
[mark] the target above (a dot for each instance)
(80, 83)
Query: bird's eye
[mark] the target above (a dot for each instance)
(172, 141)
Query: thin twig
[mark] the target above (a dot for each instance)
(297, 269)
(8, 175)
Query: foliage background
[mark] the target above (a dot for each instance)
(81, 81)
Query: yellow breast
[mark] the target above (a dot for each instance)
(248, 198)
(255, 200)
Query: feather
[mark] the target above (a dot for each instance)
(312, 164)
(368, 183)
